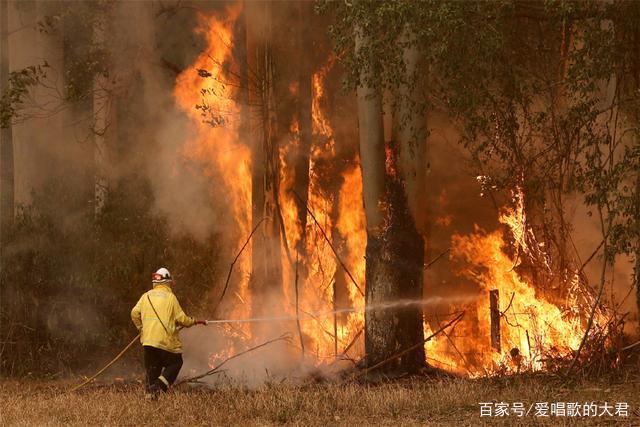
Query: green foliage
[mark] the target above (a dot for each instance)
(18, 87)
(610, 138)
(546, 94)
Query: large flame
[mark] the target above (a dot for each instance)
(326, 336)
(531, 326)
(207, 94)
(533, 329)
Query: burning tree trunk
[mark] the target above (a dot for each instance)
(394, 260)
(395, 250)
(301, 185)
(6, 135)
(266, 277)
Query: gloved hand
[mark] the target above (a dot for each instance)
(201, 322)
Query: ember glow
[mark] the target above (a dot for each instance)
(532, 327)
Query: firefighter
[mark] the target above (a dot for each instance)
(157, 315)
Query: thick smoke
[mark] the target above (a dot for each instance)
(182, 192)
(150, 47)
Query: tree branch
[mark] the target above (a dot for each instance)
(283, 337)
(344, 267)
(226, 284)
(413, 347)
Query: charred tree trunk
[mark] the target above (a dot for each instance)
(379, 337)
(7, 188)
(394, 273)
(636, 194)
(273, 273)
(393, 243)
(266, 280)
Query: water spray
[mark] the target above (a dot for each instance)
(381, 306)
(307, 316)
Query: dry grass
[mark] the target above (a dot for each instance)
(408, 402)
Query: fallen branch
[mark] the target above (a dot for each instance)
(629, 347)
(314, 317)
(513, 294)
(115, 359)
(353, 341)
(226, 283)
(593, 254)
(344, 267)
(436, 258)
(284, 337)
(410, 349)
(464, 360)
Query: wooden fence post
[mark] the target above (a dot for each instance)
(494, 304)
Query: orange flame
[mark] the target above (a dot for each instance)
(216, 123)
(532, 327)
(530, 323)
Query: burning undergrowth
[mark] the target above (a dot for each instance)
(523, 329)
(318, 300)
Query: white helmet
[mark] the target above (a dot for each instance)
(161, 276)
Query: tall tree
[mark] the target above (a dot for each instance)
(395, 249)
(303, 113)
(266, 278)
(627, 59)
(89, 85)
(7, 186)
(496, 70)
(103, 118)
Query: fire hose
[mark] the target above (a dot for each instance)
(115, 359)
(208, 322)
(128, 346)
(269, 319)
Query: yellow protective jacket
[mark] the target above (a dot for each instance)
(152, 332)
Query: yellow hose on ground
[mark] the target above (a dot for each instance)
(115, 359)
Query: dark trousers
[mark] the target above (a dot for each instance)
(158, 362)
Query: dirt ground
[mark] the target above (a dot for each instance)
(417, 401)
